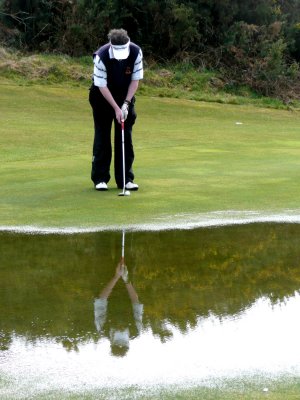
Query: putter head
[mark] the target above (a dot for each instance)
(124, 193)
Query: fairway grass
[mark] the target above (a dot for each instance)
(192, 159)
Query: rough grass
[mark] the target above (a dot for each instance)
(181, 81)
(43, 69)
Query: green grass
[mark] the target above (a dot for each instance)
(191, 157)
(288, 389)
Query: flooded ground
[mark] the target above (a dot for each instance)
(195, 308)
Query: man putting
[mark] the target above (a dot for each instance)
(118, 67)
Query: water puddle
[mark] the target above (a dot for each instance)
(193, 307)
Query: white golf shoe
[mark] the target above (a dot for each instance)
(101, 186)
(131, 186)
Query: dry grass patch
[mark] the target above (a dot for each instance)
(42, 67)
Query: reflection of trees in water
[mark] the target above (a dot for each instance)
(221, 271)
(5, 340)
(48, 283)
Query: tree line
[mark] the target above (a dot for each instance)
(252, 42)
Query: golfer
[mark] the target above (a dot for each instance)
(120, 329)
(118, 67)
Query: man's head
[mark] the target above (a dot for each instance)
(119, 41)
(119, 341)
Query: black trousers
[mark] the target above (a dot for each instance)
(104, 115)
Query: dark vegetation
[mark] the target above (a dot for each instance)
(253, 43)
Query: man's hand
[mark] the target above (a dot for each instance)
(125, 110)
(119, 270)
(119, 114)
(125, 274)
(122, 271)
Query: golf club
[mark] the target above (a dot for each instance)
(122, 262)
(124, 192)
(123, 247)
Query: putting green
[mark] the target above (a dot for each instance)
(192, 158)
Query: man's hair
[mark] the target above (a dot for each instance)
(118, 351)
(118, 36)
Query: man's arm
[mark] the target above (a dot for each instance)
(132, 293)
(111, 284)
(133, 86)
(109, 98)
(130, 289)
(100, 80)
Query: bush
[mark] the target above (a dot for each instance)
(257, 56)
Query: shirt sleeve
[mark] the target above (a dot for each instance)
(138, 310)
(100, 74)
(138, 71)
(100, 307)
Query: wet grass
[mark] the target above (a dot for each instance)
(233, 390)
(191, 157)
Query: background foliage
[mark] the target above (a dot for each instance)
(253, 42)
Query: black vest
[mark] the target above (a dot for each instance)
(119, 72)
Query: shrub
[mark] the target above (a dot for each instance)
(256, 56)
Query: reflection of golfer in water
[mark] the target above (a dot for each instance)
(121, 329)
